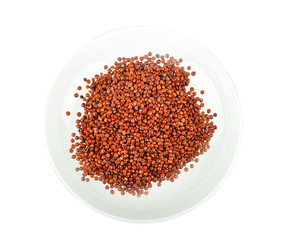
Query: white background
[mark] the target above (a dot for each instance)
(248, 37)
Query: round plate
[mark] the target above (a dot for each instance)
(191, 188)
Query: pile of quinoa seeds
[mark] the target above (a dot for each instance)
(139, 124)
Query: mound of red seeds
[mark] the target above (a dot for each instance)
(140, 125)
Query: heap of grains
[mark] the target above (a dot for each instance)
(139, 124)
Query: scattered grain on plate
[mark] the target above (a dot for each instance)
(139, 124)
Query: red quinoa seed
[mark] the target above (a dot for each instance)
(140, 125)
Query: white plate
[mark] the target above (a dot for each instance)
(191, 188)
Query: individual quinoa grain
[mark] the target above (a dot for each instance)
(139, 124)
